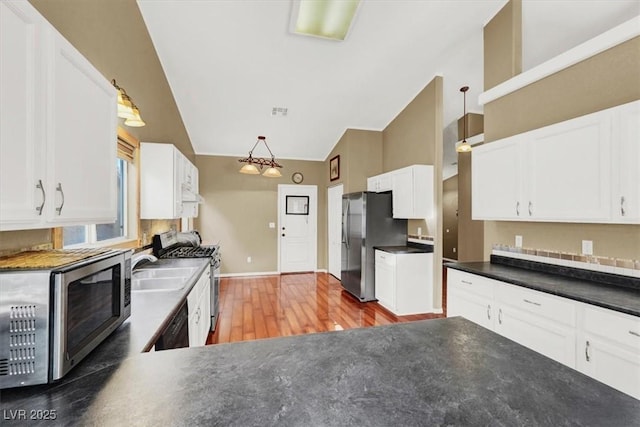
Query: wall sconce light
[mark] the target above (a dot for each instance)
(127, 109)
(253, 163)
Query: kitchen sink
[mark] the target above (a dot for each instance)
(158, 284)
(161, 279)
(162, 273)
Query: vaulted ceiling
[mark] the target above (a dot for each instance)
(229, 63)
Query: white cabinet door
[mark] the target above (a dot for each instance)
(551, 339)
(22, 116)
(159, 181)
(609, 348)
(626, 164)
(403, 193)
(385, 289)
(471, 297)
(205, 304)
(569, 176)
(380, 183)
(497, 171)
(609, 363)
(82, 138)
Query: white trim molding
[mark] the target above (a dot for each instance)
(596, 45)
(256, 273)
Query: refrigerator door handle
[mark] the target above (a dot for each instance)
(345, 227)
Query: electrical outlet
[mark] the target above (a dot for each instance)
(587, 247)
(419, 231)
(518, 241)
(249, 260)
(272, 225)
(454, 250)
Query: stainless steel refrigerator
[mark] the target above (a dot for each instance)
(367, 221)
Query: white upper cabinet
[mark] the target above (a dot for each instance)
(412, 190)
(497, 181)
(626, 164)
(380, 183)
(57, 128)
(22, 119)
(569, 174)
(168, 183)
(83, 138)
(579, 170)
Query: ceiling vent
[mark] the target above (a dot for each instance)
(279, 111)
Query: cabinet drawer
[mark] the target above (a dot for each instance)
(619, 327)
(385, 258)
(538, 303)
(471, 283)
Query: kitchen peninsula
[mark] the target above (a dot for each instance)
(433, 372)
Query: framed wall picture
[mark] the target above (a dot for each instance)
(334, 168)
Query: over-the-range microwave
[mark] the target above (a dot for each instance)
(56, 306)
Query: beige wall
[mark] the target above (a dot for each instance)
(238, 209)
(415, 137)
(503, 45)
(605, 80)
(470, 232)
(450, 218)
(112, 35)
(360, 154)
(602, 81)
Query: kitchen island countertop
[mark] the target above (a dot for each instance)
(433, 372)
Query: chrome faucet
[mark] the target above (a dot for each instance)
(138, 258)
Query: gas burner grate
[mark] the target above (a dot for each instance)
(191, 252)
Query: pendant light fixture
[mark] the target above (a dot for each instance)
(464, 146)
(253, 165)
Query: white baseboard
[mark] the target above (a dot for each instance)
(258, 273)
(262, 273)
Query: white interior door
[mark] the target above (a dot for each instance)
(334, 225)
(297, 228)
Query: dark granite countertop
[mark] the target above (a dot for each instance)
(433, 372)
(625, 299)
(409, 248)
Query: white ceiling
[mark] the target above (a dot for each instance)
(230, 62)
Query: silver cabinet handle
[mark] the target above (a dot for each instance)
(500, 316)
(530, 208)
(531, 302)
(44, 197)
(59, 208)
(468, 283)
(518, 208)
(489, 311)
(622, 211)
(634, 333)
(586, 352)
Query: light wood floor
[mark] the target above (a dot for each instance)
(293, 304)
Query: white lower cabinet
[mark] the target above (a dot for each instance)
(598, 342)
(199, 309)
(609, 348)
(404, 282)
(471, 297)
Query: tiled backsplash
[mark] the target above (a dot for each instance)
(625, 267)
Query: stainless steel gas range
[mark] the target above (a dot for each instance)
(188, 245)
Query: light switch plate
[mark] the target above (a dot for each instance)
(518, 241)
(587, 247)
